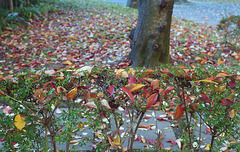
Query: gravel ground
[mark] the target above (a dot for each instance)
(200, 12)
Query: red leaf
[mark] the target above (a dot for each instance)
(55, 89)
(111, 90)
(172, 141)
(82, 87)
(204, 98)
(179, 111)
(168, 90)
(232, 83)
(151, 100)
(225, 102)
(132, 80)
(10, 79)
(128, 93)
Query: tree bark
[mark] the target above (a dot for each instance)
(151, 37)
(132, 3)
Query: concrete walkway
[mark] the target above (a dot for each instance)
(200, 12)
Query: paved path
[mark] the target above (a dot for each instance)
(200, 12)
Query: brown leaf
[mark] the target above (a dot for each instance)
(155, 84)
(151, 100)
(1, 92)
(231, 113)
(179, 112)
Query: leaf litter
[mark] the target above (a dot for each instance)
(81, 39)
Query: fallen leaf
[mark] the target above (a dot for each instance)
(208, 147)
(225, 102)
(91, 105)
(111, 90)
(172, 141)
(67, 62)
(117, 140)
(221, 75)
(71, 94)
(207, 81)
(231, 113)
(136, 87)
(19, 121)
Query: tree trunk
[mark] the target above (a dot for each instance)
(151, 37)
(11, 5)
(132, 3)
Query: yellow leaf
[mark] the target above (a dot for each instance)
(208, 81)
(117, 140)
(220, 89)
(231, 113)
(19, 122)
(121, 73)
(208, 147)
(74, 142)
(222, 134)
(136, 87)
(72, 93)
(220, 62)
(67, 62)
(231, 97)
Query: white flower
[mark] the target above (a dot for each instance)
(195, 144)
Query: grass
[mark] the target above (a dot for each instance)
(221, 1)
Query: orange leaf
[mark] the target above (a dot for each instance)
(1, 77)
(221, 75)
(72, 93)
(151, 100)
(179, 111)
(1, 92)
(142, 126)
(128, 93)
(148, 72)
